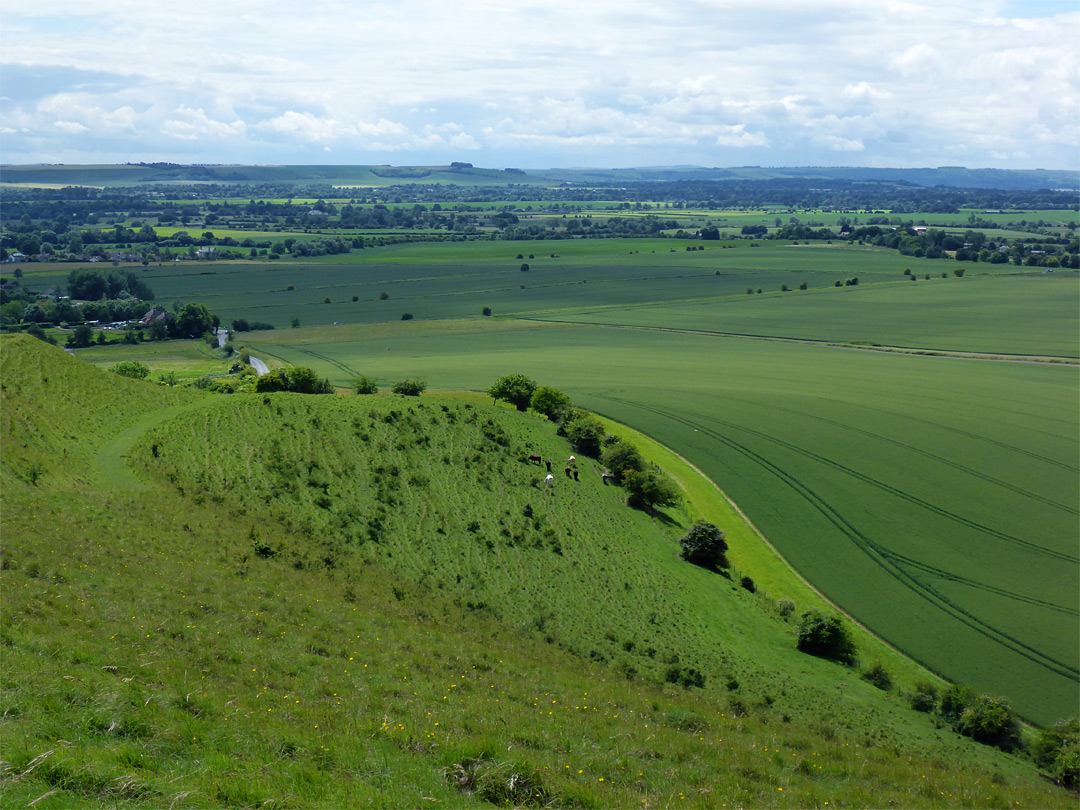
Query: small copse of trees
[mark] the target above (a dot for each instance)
(1057, 751)
(409, 387)
(551, 402)
(646, 487)
(131, 368)
(826, 637)
(297, 379)
(365, 385)
(705, 545)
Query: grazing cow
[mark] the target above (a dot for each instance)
(572, 461)
(535, 458)
(575, 475)
(550, 479)
(605, 476)
(567, 471)
(548, 465)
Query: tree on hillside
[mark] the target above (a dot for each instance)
(826, 637)
(551, 402)
(365, 385)
(409, 388)
(303, 380)
(990, 720)
(621, 457)
(131, 368)
(1057, 751)
(277, 379)
(298, 379)
(584, 431)
(517, 389)
(650, 488)
(704, 545)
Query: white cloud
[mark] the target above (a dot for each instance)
(838, 144)
(195, 124)
(672, 82)
(865, 90)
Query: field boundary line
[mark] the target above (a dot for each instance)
(784, 560)
(998, 357)
(884, 559)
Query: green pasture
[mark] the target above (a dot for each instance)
(187, 360)
(933, 498)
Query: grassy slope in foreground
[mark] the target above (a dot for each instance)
(927, 458)
(186, 649)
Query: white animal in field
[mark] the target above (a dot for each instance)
(549, 480)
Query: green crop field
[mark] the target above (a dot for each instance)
(438, 280)
(1033, 315)
(933, 498)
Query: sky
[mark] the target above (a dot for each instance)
(542, 83)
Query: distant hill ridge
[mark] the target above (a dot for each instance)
(466, 174)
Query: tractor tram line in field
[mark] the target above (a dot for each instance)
(996, 442)
(829, 344)
(937, 459)
(982, 586)
(883, 558)
(335, 363)
(1008, 538)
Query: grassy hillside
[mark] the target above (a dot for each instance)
(261, 612)
(949, 485)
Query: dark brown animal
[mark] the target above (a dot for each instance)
(536, 458)
(567, 471)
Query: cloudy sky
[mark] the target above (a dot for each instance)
(543, 83)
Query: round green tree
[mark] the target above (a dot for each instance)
(409, 388)
(705, 545)
(365, 385)
(517, 389)
(551, 402)
(131, 368)
(826, 637)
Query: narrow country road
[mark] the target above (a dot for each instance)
(222, 336)
(257, 364)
